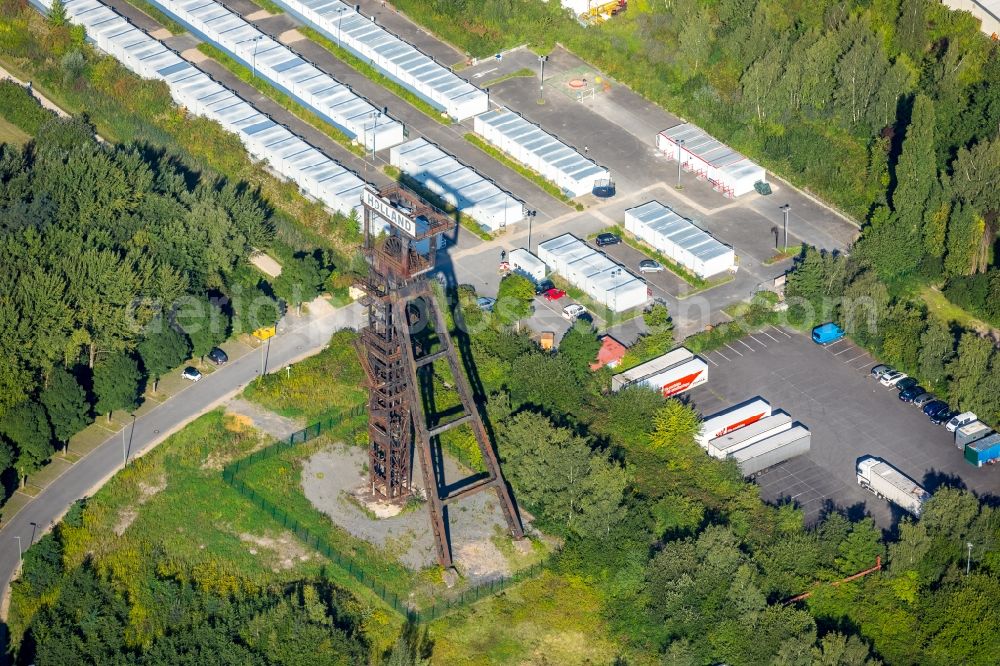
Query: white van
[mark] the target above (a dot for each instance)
(960, 420)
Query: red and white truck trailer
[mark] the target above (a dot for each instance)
(673, 373)
(732, 419)
(728, 444)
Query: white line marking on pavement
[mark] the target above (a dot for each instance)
(734, 349)
(781, 331)
(757, 341)
(845, 349)
(746, 345)
(709, 359)
(854, 359)
(769, 335)
(721, 354)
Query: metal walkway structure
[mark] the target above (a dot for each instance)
(406, 334)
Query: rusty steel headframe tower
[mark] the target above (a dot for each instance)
(395, 288)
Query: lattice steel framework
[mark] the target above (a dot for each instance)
(398, 296)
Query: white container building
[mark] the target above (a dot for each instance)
(724, 446)
(605, 281)
(394, 57)
(273, 61)
(461, 186)
(316, 174)
(535, 148)
(731, 419)
(673, 373)
(527, 264)
(679, 239)
(726, 170)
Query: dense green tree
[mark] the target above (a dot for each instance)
(546, 382)
(27, 426)
(937, 348)
(916, 178)
(579, 346)
(674, 424)
(836, 649)
(514, 298)
(162, 348)
(117, 384)
(66, 404)
(301, 279)
(254, 309)
(204, 322)
(969, 369)
(412, 648)
(963, 241)
(57, 13)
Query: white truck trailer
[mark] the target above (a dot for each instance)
(724, 446)
(731, 419)
(887, 482)
(770, 451)
(670, 374)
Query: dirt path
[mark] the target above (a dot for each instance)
(275, 425)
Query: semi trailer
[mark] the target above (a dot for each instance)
(732, 419)
(770, 451)
(721, 447)
(673, 373)
(887, 482)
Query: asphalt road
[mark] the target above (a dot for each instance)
(300, 339)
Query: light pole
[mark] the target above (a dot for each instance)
(340, 18)
(541, 78)
(616, 273)
(375, 115)
(253, 60)
(968, 559)
(784, 212)
(680, 147)
(531, 218)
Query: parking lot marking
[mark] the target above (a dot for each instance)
(746, 345)
(845, 349)
(734, 349)
(721, 354)
(781, 331)
(756, 340)
(769, 335)
(833, 344)
(854, 359)
(709, 359)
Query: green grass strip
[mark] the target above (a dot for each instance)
(173, 26)
(269, 6)
(371, 73)
(548, 186)
(524, 72)
(243, 74)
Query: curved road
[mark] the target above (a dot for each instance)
(91, 472)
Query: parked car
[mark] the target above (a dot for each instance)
(607, 239)
(943, 416)
(573, 310)
(923, 400)
(879, 370)
(650, 266)
(908, 394)
(891, 378)
(486, 303)
(218, 357)
(828, 333)
(191, 374)
(907, 383)
(543, 286)
(932, 408)
(554, 294)
(960, 420)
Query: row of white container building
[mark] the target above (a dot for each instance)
(679, 239)
(726, 170)
(396, 58)
(605, 281)
(315, 173)
(331, 100)
(532, 146)
(459, 185)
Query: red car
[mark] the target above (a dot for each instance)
(554, 294)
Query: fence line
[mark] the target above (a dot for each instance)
(349, 565)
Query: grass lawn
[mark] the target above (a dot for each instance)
(552, 619)
(939, 305)
(12, 134)
(328, 382)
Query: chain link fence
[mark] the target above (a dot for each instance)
(353, 566)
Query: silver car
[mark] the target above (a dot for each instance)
(650, 266)
(923, 399)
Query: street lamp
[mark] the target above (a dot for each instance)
(784, 212)
(541, 78)
(616, 273)
(375, 115)
(680, 147)
(531, 218)
(340, 18)
(253, 60)
(968, 560)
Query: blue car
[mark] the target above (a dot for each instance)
(934, 407)
(908, 394)
(827, 333)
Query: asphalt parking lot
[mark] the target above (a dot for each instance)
(830, 391)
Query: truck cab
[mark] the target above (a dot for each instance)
(826, 333)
